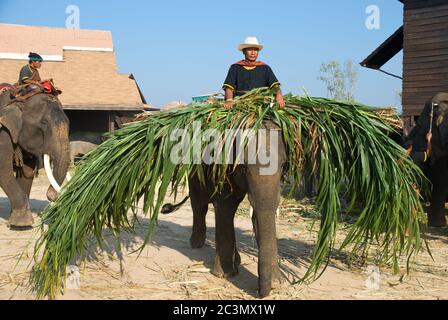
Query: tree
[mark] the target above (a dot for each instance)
(340, 82)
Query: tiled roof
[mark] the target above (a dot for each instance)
(81, 62)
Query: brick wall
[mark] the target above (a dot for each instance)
(86, 77)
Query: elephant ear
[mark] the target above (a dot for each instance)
(11, 119)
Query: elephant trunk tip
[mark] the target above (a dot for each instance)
(170, 208)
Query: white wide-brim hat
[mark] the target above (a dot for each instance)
(250, 42)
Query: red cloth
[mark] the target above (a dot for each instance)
(250, 64)
(5, 88)
(48, 86)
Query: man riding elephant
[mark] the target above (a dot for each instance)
(428, 143)
(249, 74)
(248, 178)
(30, 82)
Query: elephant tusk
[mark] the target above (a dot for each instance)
(68, 177)
(251, 212)
(50, 175)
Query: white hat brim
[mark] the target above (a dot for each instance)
(245, 46)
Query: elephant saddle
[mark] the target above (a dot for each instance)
(4, 88)
(27, 91)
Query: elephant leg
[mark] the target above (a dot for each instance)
(25, 179)
(436, 213)
(200, 208)
(227, 257)
(277, 277)
(21, 215)
(264, 196)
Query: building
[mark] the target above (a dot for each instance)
(424, 41)
(96, 98)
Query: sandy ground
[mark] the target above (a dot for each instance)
(170, 269)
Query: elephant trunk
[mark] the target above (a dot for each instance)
(266, 239)
(60, 157)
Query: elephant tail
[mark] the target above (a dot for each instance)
(170, 208)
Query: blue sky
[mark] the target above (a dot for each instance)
(178, 49)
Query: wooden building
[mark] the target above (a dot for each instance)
(96, 98)
(424, 41)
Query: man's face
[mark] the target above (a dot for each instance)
(251, 54)
(36, 64)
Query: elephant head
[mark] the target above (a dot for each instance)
(440, 102)
(41, 128)
(7, 94)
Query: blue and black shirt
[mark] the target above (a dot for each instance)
(242, 79)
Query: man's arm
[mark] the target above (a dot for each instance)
(229, 99)
(29, 81)
(279, 98)
(275, 84)
(229, 87)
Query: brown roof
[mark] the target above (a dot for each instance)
(81, 62)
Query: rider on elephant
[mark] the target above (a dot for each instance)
(431, 132)
(249, 74)
(418, 141)
(29, 77)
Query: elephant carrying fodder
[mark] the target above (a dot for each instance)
(263, 190)
(34, 131)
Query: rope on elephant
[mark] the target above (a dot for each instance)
(346, 144)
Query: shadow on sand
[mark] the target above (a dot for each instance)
(37, 206)
(171, 235)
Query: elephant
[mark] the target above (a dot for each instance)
(32, 133)
(435, 165)
(264, 196)
(82, 143)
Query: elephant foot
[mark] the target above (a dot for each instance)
(21, 219)
(277, 277)
(437, 222)
(228, 272)
(197, 242)
(237, 259)
(219, 273)
(264, 291)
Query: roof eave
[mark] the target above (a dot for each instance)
(100, 107)
(385, 52)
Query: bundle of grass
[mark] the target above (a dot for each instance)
(347, 145)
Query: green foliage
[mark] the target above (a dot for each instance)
(346, 144)
(340, 81)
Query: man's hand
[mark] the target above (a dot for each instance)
(228, 104)
(280, 101)
(229, 99)
(429, 137)
(429, 148)
(279, 98)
